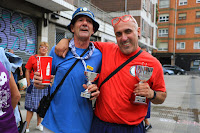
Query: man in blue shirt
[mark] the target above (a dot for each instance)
(68, 111)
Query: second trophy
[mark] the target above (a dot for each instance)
(144, 73)
(91, 77)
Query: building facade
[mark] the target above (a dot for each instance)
(25, 23)
(144, 12)
(178, 37)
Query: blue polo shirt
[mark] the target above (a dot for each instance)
(69, 112)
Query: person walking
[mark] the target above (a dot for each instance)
(34, 95)
(147, 124)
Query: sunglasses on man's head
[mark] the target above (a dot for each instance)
(124, 18)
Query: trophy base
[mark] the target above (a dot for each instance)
(138, 99)
(85, 94)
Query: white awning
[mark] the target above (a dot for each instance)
(53, 5)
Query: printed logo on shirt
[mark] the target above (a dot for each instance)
(132, 71)
(90, 68)
(3, 78)
(4, 91)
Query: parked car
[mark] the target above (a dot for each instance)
(167, 72)
(177, 70)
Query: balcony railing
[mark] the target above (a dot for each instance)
(104, 16)
(162, 49)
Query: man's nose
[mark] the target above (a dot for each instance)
(124, 37)
(85, 22)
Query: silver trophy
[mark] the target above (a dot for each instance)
(91, 77)
(144, 73)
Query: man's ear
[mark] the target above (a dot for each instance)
(72, 27)
(139, 32)
(93, 30)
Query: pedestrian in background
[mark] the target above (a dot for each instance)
(34, 95)
(15, 75)
(147, 125)
(18, 71)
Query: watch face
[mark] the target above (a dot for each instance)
(132, 71)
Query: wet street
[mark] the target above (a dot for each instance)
(179, 113)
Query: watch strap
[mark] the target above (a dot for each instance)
(154, 96)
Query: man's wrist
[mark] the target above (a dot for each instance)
(154, 95)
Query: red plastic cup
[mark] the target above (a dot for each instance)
(44, 64)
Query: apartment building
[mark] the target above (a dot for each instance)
(178, 37)
(144, 12)
(25, 23)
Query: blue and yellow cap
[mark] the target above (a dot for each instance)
(84, 11)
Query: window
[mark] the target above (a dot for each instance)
(144, 4)
(62, 33)
(164, 18)
(143, 27)
(198, 1)
(182, 16)
(164, 3)
(180, 45)
(182, 2)
(163, 32)
(198, 14)
(181, 31)
(196, 45)
(150, 7)
(197, 30)
(163, 46)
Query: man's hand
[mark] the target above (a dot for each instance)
(93, 89)
(62, 47)
(38, 80)
(143, 89)
(21, 73)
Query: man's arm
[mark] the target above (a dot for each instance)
(160, 97)
(62, 47)
(27, 75)
(21, 72)
(15, 95)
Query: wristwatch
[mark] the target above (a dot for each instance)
(154, 96)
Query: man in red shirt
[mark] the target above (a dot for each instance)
(114, 113)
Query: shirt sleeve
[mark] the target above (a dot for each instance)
(104, 45)
(52, 54)
(29, 64)
(98, 45)
(159, 82)
(5, 61)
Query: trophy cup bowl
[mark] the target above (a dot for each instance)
(144, 73)
(91, 77)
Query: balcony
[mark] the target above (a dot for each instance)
(54, 5)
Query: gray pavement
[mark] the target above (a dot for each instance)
(180, 112)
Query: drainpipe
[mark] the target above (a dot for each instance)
(174, 47)
(125, 6)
